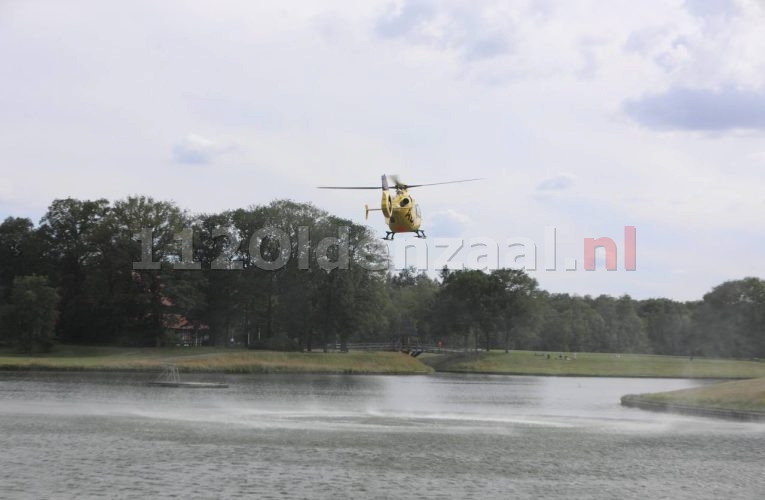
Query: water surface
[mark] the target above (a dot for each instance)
(91, 435)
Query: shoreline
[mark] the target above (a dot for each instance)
(277, 370)
(256, 368)
(256, 371)
(515, 363)
(740, 400)
(592, 375)
(637, 401)
(214, 361)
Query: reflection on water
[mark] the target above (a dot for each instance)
(318, 436)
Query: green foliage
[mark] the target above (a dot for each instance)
(410, 300)
(731, 320)
(21, 252)
(87, 250)
(668, 325)
(29, 318)
(491, 306)
(71, 230)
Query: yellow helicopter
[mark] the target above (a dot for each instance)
(401, 213)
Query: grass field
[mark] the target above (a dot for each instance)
(741, 395)
(209, 359)
(203, 359)
(594, 365)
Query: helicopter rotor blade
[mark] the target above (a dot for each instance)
(447, 182)
(384, 186)
(398, 184)
(347, 187)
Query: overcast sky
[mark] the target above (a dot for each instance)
(586, 116)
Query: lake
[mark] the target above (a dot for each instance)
(109, 435)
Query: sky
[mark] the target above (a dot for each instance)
(582, 116)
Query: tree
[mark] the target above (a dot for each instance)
(217, 249)
(731, 320)
(556, 324)
(31, 316)
(485, 304)
(667, 325)
(511, 292)
(349, 298)
(21, 252)
(70, 227)
(411, 299)
(624, 330)
(141, 270)
(462, 304)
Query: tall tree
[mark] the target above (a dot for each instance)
(411, 300)
(70, 227)
(21, 252)
(144, 255)
(667, 325)
(731, 320)
(31, 315)
(511, 292)
(462, 303)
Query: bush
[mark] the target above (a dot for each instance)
(279, 342)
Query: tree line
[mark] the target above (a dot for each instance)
(289, 275)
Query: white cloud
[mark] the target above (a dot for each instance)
(195, 149)
(481, 31)
(759, 156)
(556, 183)
(447, 224)
(96, 103)
(693, 109)
(711, 8)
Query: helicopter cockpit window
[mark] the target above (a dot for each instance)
(404, 202)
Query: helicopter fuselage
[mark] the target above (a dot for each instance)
(401, 213)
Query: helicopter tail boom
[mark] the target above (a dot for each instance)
(367, 210)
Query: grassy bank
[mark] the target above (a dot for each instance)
(205, 359)
(739, 399)
(212, 360)
(593, 365)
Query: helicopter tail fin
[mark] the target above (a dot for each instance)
(385, 182)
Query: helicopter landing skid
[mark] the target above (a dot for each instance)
(390, 234)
